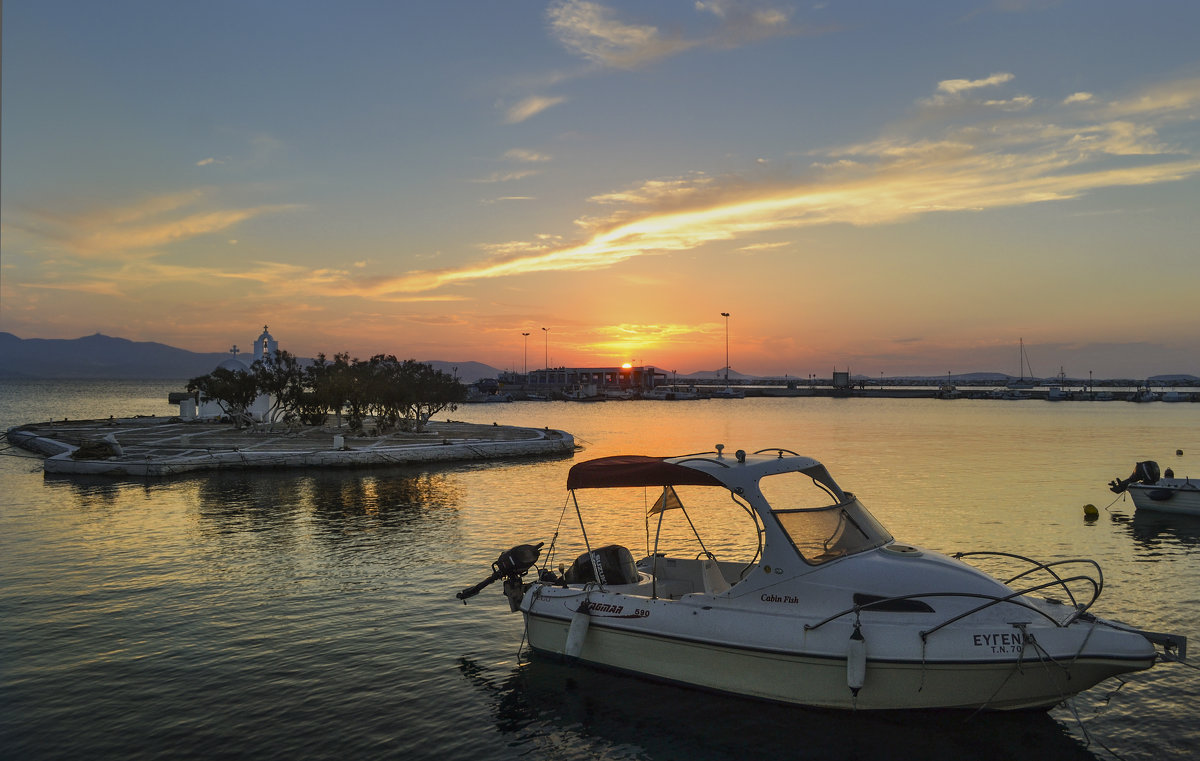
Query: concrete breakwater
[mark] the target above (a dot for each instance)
(159, 447)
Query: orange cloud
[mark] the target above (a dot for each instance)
(125, 232)
(1006, 162)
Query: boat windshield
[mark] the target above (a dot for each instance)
(827, 533)
(821, 534)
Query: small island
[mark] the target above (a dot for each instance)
(276, 412)
(158, 447)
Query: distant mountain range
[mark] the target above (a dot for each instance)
(101, 356)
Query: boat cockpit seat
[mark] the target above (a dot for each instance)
(714, 581)
(614, 562)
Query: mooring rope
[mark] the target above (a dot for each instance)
(1116, 499)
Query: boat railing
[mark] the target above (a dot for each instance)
(1011, 598)
(1037, 565)
(991, 600)
(780, 450)
(713, 460)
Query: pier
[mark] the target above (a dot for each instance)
(160, 447)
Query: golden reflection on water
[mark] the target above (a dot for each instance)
(951, 476)
(281, 592)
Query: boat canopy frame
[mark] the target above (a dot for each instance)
(620, 471)
(644, 471)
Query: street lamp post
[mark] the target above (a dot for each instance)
(726, 316)
(547, 347)
(526, 356)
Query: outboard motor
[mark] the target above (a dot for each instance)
(510, 566)
(614, 564)
(1145, 473)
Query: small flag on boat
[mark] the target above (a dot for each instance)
(668, 501)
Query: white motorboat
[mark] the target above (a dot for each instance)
(1058, 392)
(949, 391)
(671, 394)
(584, 393)
(1152, 491)
(829, 611)
(727, 393)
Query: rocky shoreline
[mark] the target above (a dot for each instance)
(163, 447)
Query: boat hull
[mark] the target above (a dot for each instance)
(1018, 681)
(1169, 495)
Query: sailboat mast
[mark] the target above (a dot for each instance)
(726, 316)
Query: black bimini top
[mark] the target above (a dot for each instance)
(634, 470)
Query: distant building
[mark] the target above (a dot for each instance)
(265, 346)
(642, 378)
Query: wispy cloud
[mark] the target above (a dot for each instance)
(120, 278)
(765, 246)
(595, 33)
(955, 86)
(746, 22)
(129, 231)
(93, 287)
(526, 155)
(1056, 154)
(516, 174)
(1180, 97)
(503, 199)
(529, 107)
(958, 92)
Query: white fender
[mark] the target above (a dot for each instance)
(578, 631)
(856, 661)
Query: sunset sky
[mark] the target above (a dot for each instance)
(889, 187)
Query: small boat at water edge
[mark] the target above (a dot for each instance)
(1152, 491)
(671, 394)
(584, 393)
(727, 393)
(1143, 394)
(829, 610)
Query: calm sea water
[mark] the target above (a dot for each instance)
(308, 615)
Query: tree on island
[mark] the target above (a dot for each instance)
(329, 386)
(233, 391)
(430, 392)
(396, 394)
(283, 381)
